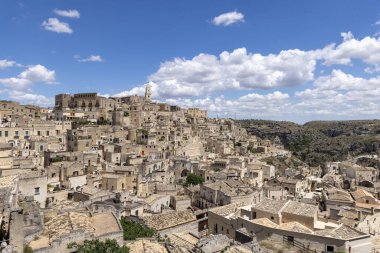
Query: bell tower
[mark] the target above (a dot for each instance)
(148, 93)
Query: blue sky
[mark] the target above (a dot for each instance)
(250, 59)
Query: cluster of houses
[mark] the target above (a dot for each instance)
(72, 172)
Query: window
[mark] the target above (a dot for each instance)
(6, 133)
(27, 133)
(47, 133)
(272, 218)
(37, 191)
(1, 133)
(16, 133)
(38, 133)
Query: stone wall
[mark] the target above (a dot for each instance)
(220, 225)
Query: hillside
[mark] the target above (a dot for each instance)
(317, 142)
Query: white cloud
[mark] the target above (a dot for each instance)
(341, 94)
(33, 74)
(337, 95)
(30, 98)
(277, 95)
(228, 18)
(19, 88)
(366, 50)
(67, 13)
(7, 64)
(54, 25)
(38, 73)
(250, 105)
(15, 83)
(134, 91)
(236, 70)
(91, 58)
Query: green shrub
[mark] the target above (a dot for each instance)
(193, 179)
(96, 246)
(133, 230)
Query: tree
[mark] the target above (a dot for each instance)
(96, 246)
(193, 179)
(133, 230)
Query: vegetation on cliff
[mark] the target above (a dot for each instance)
(317, 142)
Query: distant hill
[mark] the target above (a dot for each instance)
(317, 142)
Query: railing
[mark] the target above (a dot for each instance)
(290, 240)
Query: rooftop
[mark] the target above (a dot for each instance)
(299, 208)
(60, 225)
(338, 195)
(270, 206)
(104, 223)
(359, 193)
(167, 220)
(146, 246)
(226, 210)
(342, 232)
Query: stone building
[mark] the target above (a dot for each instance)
(196, 112)
(34, 184)
(287, 222)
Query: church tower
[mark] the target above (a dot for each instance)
(148, 93)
